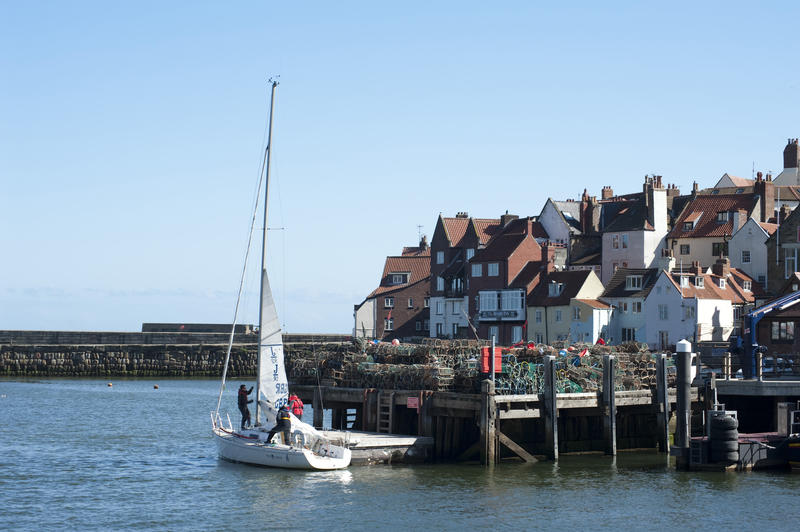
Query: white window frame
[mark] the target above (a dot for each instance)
(493, 269)
(636, 307)
(426, 302)
(537, 316)
(576, 313)
(633, 282)
(790, 257)
(477, 270)
(516, 334)
(745, 256)
(455, 330)
(470, 253)
(539, 338)
(685, 281)
(455, 307)
(624, 241)
(494, 331)
(688, 249)
(615, 241)
(426, 325)
(688, 312)
(488, 301)
(388, 302)
(439, 308)
(558, 315)
(418, 325)
(721, 282)
(388, 324)
(699, 282)
(440, 257)
(663, 312)
(747, 286)
(410, 302)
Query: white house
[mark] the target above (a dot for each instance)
(626, 293)
(551, 311)
(748, 249)
(634, 231)
(590, 320)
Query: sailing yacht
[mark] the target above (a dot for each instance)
(307, 448)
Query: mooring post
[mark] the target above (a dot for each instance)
(317, 406)
(662, 400)
(550, 407)
(488, 421)
(683, 428)
(610, 404)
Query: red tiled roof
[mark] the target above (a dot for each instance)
(455, 229)
(416, 252)
(741, 181)
(486, 228)
(768, 227)
(500, 248)
(594, 303)
(709, 206)
(710, 289)
(419, 268)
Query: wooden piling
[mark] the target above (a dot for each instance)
(488, 424)
(662, 403)
(609, 404)
(550, 407)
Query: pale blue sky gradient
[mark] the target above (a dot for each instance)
(130, 136)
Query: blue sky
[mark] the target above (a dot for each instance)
(130, 136)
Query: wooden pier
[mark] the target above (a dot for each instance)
(489, 426)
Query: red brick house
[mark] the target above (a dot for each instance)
(398, 308)
(502, 275)
(454, 242)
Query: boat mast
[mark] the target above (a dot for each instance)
(274, 83)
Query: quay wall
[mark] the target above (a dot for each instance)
(107, 354)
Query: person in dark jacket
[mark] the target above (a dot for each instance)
(283, 424)
(243, 402)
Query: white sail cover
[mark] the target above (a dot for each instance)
(272, 384)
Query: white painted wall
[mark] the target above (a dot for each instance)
(448, 316)
(753, 238)
(681, 318)
(626, 319)
(365, 316)
(554, 224)
(715, 320)
(593, 322)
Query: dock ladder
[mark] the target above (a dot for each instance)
(385, 412)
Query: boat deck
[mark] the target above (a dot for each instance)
(374, 447)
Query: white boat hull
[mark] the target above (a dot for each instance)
(250, 447)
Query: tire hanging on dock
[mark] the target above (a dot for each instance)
(724, 439)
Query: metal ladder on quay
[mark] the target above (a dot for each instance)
(385, 412)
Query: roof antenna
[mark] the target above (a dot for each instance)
(753, 171)
(419, 232)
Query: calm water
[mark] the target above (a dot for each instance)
(76, 454)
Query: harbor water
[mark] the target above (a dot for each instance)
(79, 455)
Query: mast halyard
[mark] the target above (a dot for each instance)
(264, 281)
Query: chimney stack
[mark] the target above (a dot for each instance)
(423, 243)
(506, 218)
(765, 190)
(696, 269)
(607, 193)
(791, 154)
(722, 267)
(463, 214)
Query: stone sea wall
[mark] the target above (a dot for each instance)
(125, 360)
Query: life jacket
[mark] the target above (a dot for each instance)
(297, 407)
(283, 415)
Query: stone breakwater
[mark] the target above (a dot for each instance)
(125, 360)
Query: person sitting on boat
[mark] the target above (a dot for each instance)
(296, 406)
(243, 402)
(283, 424)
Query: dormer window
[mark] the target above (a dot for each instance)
(698, 282)
(688, 226)
(440, 257)
(722, 217)
(721, 282)
(747, 285)
(399, 278)
(739, 190)
(684, 281)
(555, 289)
(633, 282)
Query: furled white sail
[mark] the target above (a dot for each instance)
(272, 384)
